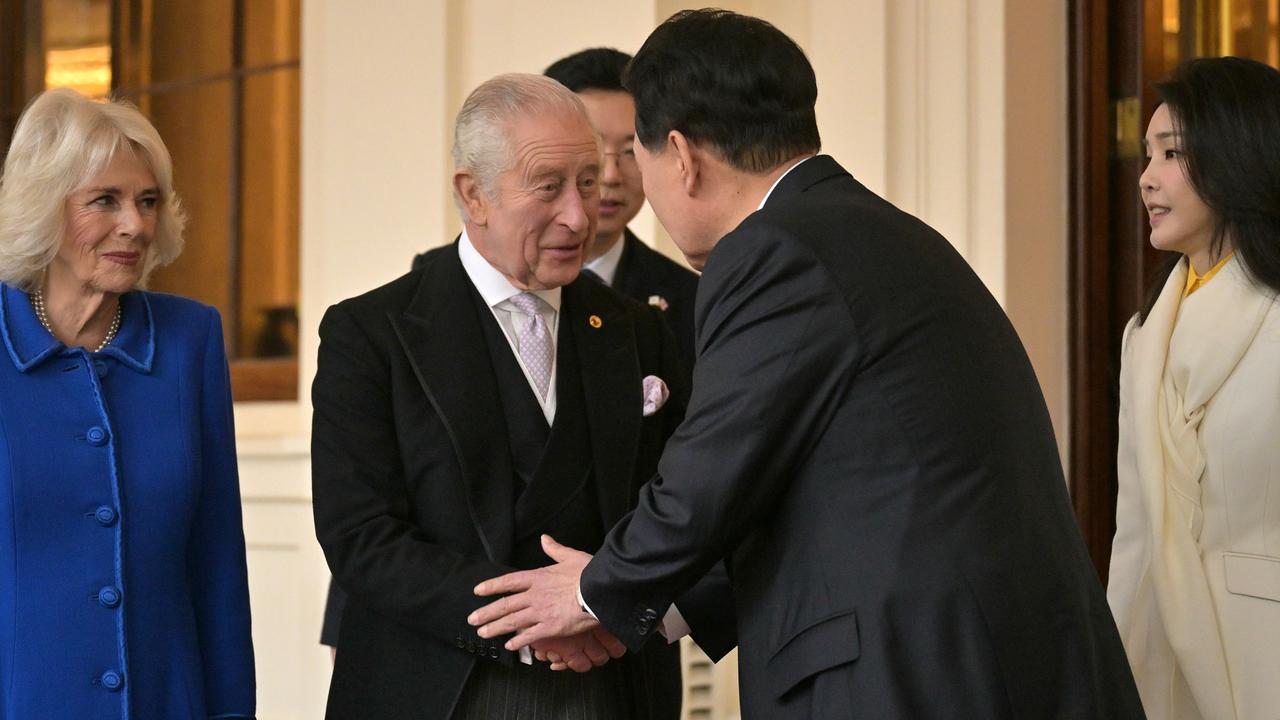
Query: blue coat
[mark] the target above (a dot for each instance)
(123, 589)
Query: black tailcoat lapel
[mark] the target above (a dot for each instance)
(442, 336)
(605, 340)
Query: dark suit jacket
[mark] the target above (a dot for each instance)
(644, 272)
(868, 444)
(413, 479)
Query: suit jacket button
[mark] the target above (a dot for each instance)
(460, 642)
(650, 615)
(471, 647)
(112, 680)
(105, 515)
(96, 436)
(109, 597)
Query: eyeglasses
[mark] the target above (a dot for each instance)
(625, 159)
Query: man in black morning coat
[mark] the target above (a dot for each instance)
(866, 441)
(485, 398)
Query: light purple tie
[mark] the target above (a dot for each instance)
(535, 341)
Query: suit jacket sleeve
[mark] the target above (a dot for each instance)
(216, 552)
(334, 605)
(362, 510)
(775, 352)
(703, 605)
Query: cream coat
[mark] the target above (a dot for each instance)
(1195, 567)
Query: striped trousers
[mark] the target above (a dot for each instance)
(498, 692)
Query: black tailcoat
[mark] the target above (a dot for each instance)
(415, 489)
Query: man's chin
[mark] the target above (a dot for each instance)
(552, 277)
(611, 230)
(695, 255)
(602, 244)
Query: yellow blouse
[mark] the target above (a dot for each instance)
(1195, 282)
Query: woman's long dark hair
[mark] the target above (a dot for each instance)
(1227, 111)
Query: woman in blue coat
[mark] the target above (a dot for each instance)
(123, 590)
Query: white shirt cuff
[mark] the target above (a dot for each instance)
(583, 604)
(526, 656)
(674, 626)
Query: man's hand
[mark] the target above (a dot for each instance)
(544, 604)
(582, 652)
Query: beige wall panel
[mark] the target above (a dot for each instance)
(287, 581)
(932, 116)
(489, 37)
(986, 136)
(1036, 194)
(374, 108)
(848, 45)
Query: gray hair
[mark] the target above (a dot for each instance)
(481, 133)
(63, 139)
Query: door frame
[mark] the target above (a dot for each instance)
(1114, 56)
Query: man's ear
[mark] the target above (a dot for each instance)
(688, 162)
(473, 199)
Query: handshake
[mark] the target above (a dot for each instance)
(589, 649)
(541, 609)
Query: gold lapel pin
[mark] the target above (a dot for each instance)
(595, 321)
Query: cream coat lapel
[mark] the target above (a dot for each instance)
(1215, 327)
(1168, 591)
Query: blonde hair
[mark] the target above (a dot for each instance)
(63, 139)
(481, 133)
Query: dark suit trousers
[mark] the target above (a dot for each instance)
(497, 692)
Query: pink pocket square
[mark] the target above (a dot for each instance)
(655, 394)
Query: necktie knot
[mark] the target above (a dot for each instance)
(527, 303)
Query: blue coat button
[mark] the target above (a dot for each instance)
(101, 367)
(109, 597)
(112, 680)
(106, 516)
(96, 436)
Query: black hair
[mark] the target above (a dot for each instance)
(593, 69)
(733, 83)
(1227, 113)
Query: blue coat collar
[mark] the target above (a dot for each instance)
(29, 344)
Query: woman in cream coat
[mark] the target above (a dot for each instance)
(1195, 568)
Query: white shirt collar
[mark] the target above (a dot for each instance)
(492, 285)
(775, 182)
(606, 266)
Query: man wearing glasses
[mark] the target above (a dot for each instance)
(619, 259)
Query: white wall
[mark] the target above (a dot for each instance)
(953, 109)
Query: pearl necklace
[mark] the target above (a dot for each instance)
(37, 302)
